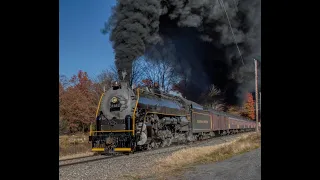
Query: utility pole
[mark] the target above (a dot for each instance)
(260, 108)
(257, 104)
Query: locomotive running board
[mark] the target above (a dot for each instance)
(115, 149)
(97, 149)
(122, 149)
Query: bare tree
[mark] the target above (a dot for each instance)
(160, 71)
(213, 99)
(105, 78)
(136, 73)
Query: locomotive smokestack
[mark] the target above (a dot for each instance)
(124, 84)
(124, 74)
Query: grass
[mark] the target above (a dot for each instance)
(183, 159)
(72, 146)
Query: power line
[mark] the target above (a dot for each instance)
(234, 39)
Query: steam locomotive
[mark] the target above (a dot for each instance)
(145, 118)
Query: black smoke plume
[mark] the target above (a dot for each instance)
(198, 36)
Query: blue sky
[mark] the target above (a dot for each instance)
(81, 44)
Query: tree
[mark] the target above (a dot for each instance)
(61, 91)
(212, 98)
(159, 71)
(63, 83)
(78, 104)
(82, 82)
(234, 110)
(160, 64)
(159, 67)
(248, 110)
(103, 82)
(61, 121)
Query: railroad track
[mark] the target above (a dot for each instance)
(82, 157)
(97, 157)
(83, 160)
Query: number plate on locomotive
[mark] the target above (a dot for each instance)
(115, 105)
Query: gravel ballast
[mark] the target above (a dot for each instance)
(117, 167)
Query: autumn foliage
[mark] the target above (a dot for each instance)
(248, 108)
(78, 101)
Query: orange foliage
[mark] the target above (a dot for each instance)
(82, 82)
(248, 110)
(78, 102)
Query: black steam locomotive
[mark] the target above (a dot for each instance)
(145, 118)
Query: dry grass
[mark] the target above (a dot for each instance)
(185, 158)
(71, 146)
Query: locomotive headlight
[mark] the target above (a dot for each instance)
(114, 100)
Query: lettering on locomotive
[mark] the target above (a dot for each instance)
(202, 121)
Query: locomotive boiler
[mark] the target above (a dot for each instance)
(145, 118)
